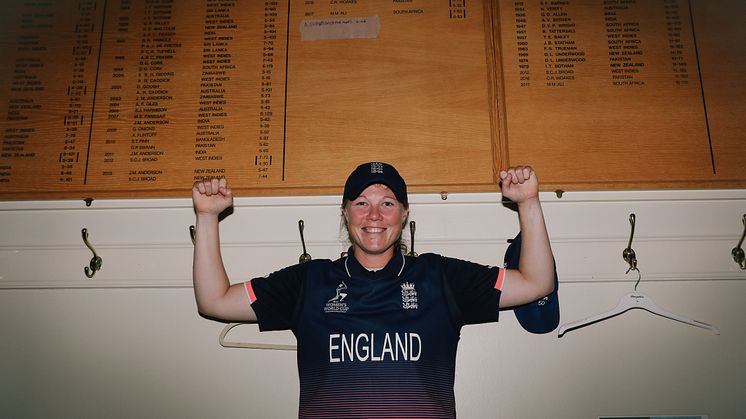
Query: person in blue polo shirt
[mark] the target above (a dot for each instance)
(377, 330)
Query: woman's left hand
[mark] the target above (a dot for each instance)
(519, 184)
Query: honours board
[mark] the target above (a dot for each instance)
(142, 97)
(625, 93)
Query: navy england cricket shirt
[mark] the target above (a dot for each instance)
(377, 344)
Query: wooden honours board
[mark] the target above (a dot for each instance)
(626, 93)
(142, 97)
(139, 98)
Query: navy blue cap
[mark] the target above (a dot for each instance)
(542, 315)
(371, 173)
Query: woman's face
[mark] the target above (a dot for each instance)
(374, 221)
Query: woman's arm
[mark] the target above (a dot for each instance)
(534, 277)
(214, 295)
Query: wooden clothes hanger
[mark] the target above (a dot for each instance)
(634, 300)
(250, 345)
(304, 258)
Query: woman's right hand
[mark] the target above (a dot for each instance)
(211, 196)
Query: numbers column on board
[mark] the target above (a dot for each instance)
(263, 159)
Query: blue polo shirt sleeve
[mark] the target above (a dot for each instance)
(274, 298)
(475, 288)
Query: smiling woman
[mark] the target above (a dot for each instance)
(375, 208)
(374, 222)
(391, 321)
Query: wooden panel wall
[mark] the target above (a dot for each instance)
(625, 94)
(131, 98)
(138, 98)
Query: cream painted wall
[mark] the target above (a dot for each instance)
(128, 343)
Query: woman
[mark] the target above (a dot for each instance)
(377, 331)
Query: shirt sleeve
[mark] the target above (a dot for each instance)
(274, 298)
(475, 288)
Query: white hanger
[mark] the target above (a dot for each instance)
(249, 345)
(634, 299)
(631, 301)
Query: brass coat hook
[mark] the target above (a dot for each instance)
(628, 254)
(96, 261)
(412, 227)
(738, 255)
(304, 257)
